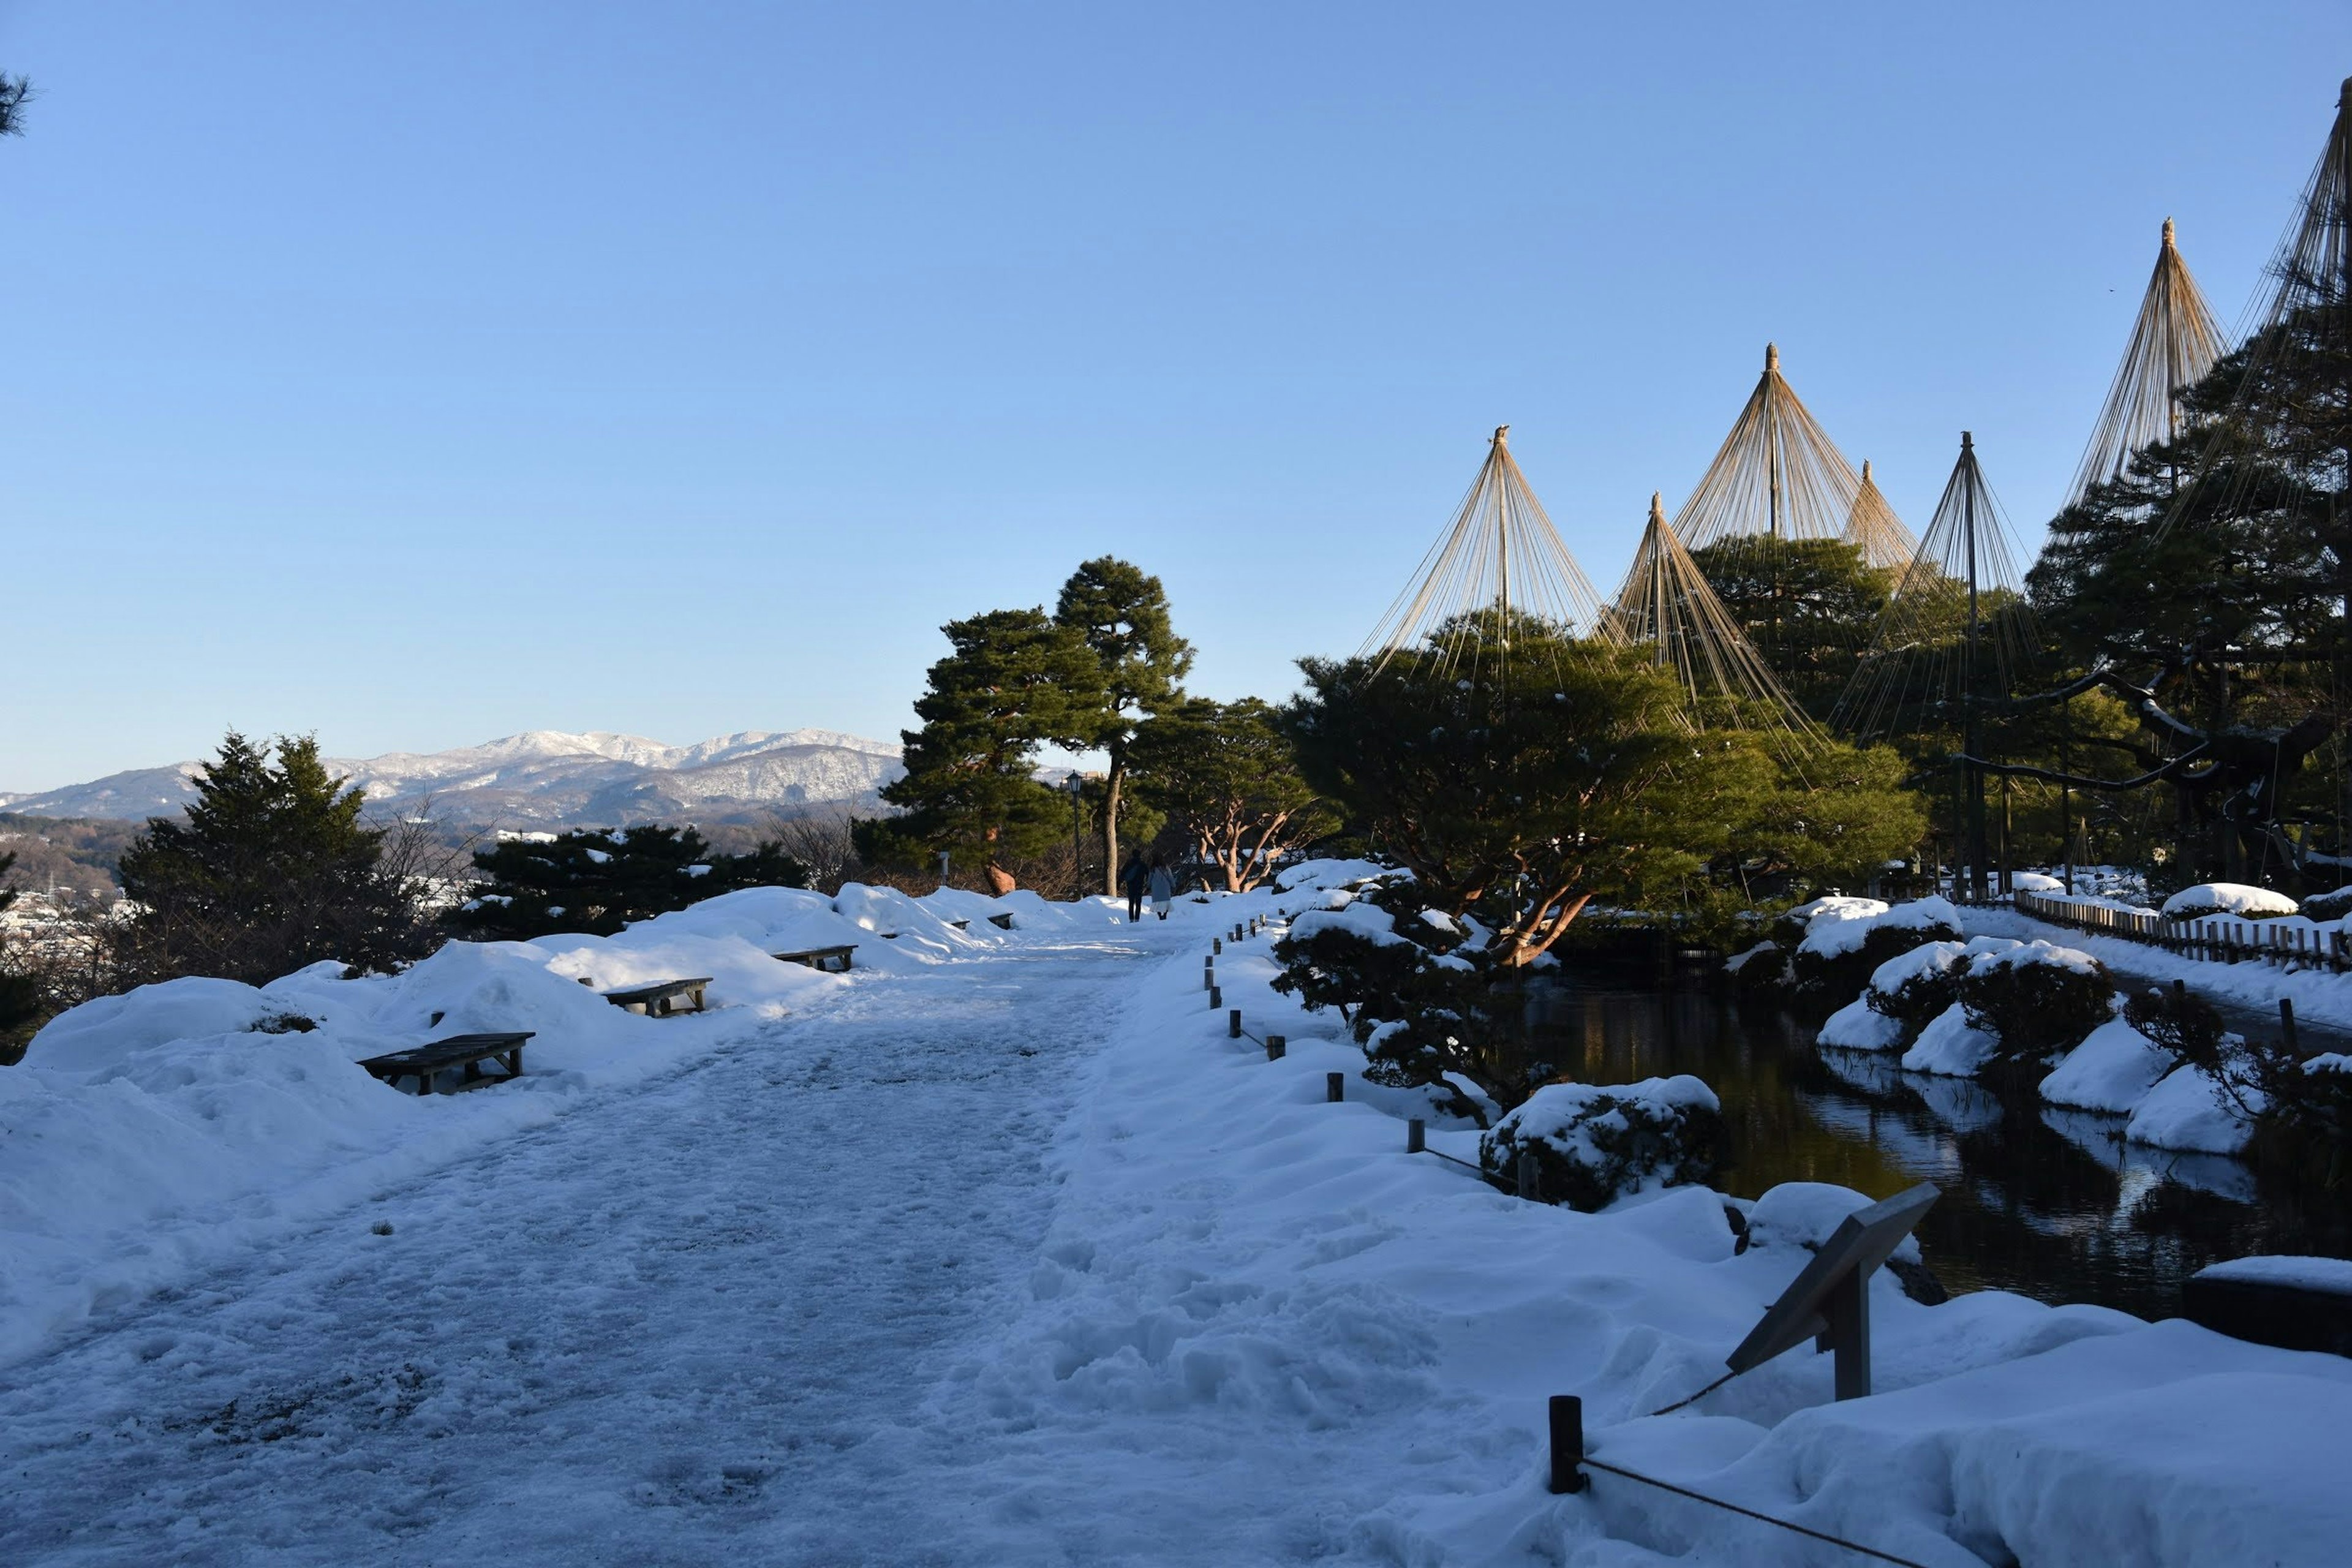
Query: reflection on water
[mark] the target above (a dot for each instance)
(2052, 1203)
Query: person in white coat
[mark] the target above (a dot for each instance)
(1163, 889)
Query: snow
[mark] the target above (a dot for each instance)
(2187, 1110)
(2327, 1276)
(2113, 1069)
(1949, 1047)
(1807, 1213)
(2228, 898)
(1841, 925)
(1739, 961)
(2035, 882)
(1007, 1254)
(1857, 1027)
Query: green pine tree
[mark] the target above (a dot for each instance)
(1123, 614)
(20, 992)
(1227, 777)
(598, 880)
(1015, 681)
(273, 870)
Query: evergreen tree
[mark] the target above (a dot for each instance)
(1123, 615)
(1807, 605)
(599, 880)
(1227, 777)
(1017, 679)
(1521, 781)
(272, 870)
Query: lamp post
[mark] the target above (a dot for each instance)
(1078, 832)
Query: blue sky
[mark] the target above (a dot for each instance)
(419, 373)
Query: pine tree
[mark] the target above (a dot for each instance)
(1123, 614)
(599, 880)
(1017, 679)
(272, 870)
(1228, 780)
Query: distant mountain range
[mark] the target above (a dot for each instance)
(548, 779)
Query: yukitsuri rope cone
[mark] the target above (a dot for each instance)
(2305, 322)
(2174, 342)
(1499, 553)
(1957, 635)
(1667, 607)
(1873, 527)
(1777, 476)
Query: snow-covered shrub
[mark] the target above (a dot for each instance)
(2234, 899)
(2183, 1024)
(2037, 998)
(1913, 987)
(1595, 1144)
(1419, 1009)
(1760, 968)
(2302, 1111)
(2333, 905)
(1843, 947)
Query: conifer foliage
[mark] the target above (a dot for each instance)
(1228, 780)
(1014, 680)
(598, 882)
(1122, 614)
(273, 870)
(20, 994)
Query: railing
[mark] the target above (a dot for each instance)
(2222, 939)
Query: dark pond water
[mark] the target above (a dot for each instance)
(2048, 1202)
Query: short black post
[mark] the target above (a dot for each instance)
(1568, 1444)
(1216, 997)
(1216, 946)
(2286, 1028)
(1208, 973)
(1275, 1045)
(1233, 1023)
(1416, 1136)
(1335, 1087)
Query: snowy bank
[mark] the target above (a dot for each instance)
(1245, 1280)
(146, 1134)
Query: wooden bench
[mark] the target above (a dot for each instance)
(1001, 923)
(660, 999)
(466, 1051)
(829, 960)
(961, 925)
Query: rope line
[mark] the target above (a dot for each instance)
(1839, 1540)
(1694, 1398)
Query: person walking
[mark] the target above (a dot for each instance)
(1132, 881)
(1163, 889)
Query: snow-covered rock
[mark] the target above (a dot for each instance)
(2036, 882)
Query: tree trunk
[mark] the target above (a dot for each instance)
(1113, 787)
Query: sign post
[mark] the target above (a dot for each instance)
(1829, 1302)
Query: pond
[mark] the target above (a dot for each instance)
(2048, 1202)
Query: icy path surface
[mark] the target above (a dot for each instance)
(692, 1322)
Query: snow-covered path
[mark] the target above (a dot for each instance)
(692, 1322)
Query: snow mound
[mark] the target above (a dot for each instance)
(1858, 1027)
(2113, 1069)
(1950, 1046)
(2187, 1110)
(2328, 1276)
(2035, 882)
(2227, 899)
(1807, 1213)
(1847, 924)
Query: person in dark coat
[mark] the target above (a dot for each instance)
(1132, 882)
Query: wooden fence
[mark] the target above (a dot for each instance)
(2222, 939)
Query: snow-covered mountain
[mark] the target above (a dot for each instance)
(550, 779)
